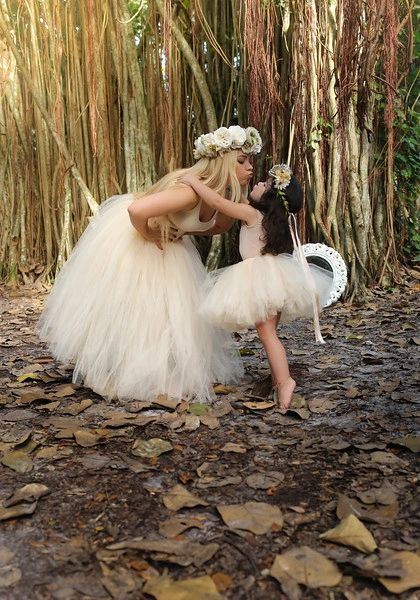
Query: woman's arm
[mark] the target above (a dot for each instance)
(234, 210)
(157, 205)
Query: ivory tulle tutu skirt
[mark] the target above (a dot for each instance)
(125, 315)
(256, 289)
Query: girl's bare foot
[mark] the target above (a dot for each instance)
(283, 393)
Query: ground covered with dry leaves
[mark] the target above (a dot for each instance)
(236, 500)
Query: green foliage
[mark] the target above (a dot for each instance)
(407, 160)
(137, 10)
(321, 131)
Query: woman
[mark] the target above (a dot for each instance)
(124, 309)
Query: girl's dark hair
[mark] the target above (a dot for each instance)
(275, 224)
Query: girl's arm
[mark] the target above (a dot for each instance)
(244, 212)
(156, 205)
(222, 224)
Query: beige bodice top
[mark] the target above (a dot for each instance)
(189, 220)
(251, 238)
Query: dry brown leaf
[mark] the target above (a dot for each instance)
(18, 510)
(264, 481)
(66, 423)
(222, 580)
(216, 482)
(120, 582)
(259, 405)
(322, 405)
(176, 525)
(383, 495)
(224, 389)
(27, 445)
(351, 532)
(221, 407)
(388, 385)
(352, 392)
(6, 555)
(18, 461)
(166, 402)
(385, 458)
(306, 566)
(64, 390)
(199, 588)
(76, 407)
(181, 553)
(178, 422)
(383, 514)
(34, 395)
(302, 413)
(412, 442)
(54, 452)
(257, 517)
(210, 421)
(179, 497)
(231, 447)
(151, 448)
(28, 493)
(338, 444)
(192, 422)
(86, 438)
(137, 466)
(51, 406)
(9, 576)
(16, 435)
(410, 563)
(94, 461)
(19, 415)
(123, 420)
(374, 445)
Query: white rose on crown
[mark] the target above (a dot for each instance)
(238, 136)
(253, 143)
(209, 142)
(200, 148)
(223, 138)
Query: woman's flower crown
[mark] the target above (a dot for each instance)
(224, 139)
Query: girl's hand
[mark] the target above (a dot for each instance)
(190, 180)
(154, 235)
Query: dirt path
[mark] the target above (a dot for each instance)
(107, 522)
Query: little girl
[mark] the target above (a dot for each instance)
(269, 285)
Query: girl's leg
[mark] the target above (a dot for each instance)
(277, 360)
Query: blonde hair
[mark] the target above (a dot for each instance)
(218, 173)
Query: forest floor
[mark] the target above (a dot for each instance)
(190, 502)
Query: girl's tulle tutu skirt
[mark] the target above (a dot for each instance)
(125, 315)
(256, 289)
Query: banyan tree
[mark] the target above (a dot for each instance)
(99, 97)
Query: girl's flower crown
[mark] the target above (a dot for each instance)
(282, 175)
(224, 139)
